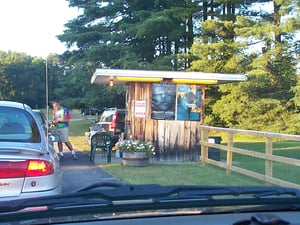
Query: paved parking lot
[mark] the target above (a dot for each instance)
(82, 172)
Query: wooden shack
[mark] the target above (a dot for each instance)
(165, 107)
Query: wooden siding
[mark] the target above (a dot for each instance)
(174, 140)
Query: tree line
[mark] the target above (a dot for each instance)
(257, 38)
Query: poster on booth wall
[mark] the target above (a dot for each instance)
(188, 102)
(163, 101)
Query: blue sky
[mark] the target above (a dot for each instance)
(30, 26)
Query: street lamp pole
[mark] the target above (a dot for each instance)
(47, 95)
(47, 102)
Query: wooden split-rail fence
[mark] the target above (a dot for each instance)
(268, 156)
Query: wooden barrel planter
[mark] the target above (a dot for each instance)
(135, 159)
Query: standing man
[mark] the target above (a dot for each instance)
(61, 117)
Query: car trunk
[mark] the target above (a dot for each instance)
(17, 164)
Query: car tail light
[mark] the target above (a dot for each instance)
(39, 168)
(112, 126)
(29, 168)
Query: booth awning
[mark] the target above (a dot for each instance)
(118, 76)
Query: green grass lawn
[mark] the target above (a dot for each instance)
(195, 173)
(178, 173)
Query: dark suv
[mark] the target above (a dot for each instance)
(112, 120)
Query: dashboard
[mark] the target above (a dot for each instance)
(278, 218)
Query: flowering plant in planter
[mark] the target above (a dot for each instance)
(135, 146)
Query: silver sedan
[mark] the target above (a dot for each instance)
(29, 166)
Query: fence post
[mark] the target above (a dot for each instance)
(268, 162)
(204, 147)
(229, 152)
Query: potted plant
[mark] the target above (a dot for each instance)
(135, 152)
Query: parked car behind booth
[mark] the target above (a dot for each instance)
(91, 111)
(112, 120)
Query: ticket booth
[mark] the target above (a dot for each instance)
(165, 107)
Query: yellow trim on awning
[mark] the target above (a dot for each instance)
(189, 81)
(140, 79)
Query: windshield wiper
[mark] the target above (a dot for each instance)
(118, 197)
(128, 191)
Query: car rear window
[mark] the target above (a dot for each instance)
(17, 125)
(107, 116)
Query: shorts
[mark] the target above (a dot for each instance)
(63, 134)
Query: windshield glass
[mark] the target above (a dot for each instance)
(150, 108)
